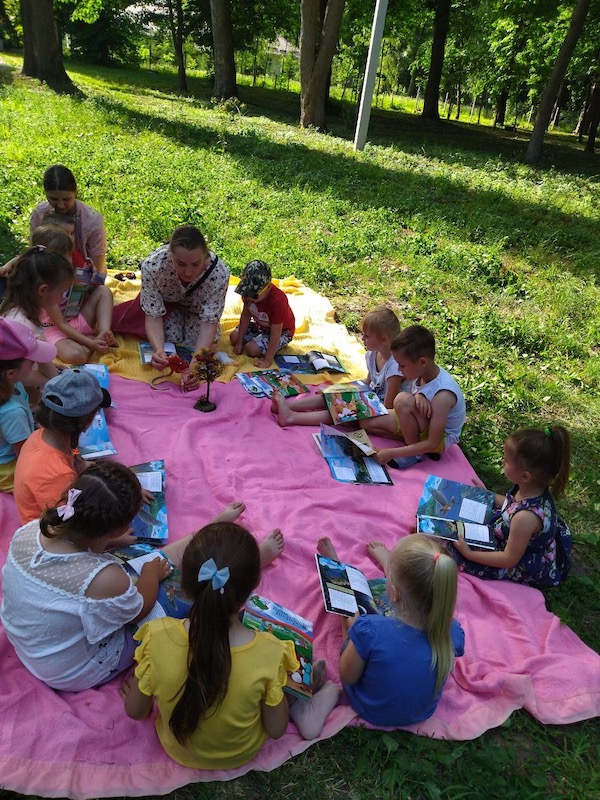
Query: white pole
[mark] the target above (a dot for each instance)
(366, 98)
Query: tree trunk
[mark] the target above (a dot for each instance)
(550, 94)
(584, 117)
(594, 118)
(458, 101)
(318, 41)
(501, 108)
(222, 30)
(10, 35)
(440, 33)
(42, 57)
(176, 26)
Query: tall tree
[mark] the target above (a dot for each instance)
(550, 94)
(42, 56)
(320, 23)
(176, 26)
(223, 52)
(441, 26)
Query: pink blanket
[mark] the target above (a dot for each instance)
(517, 654)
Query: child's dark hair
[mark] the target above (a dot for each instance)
(414, 342)
(209, 660)
(54, 237)
(188, 237)
(6, 388)
(59, 178)
(54, 421)
(110, 498)
(381, 321)
(545, 452)
(36, 267)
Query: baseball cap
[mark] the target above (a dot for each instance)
(75, 393)
(18, 341)
(255, 277)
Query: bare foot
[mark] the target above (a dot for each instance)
(271, 547)
(274, 405)
(379, 553)
(325, 548)
(231, 512)
(319, 674)
(284, 412)
(108, 337)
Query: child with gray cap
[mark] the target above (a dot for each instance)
(267, 323)
(49, 460)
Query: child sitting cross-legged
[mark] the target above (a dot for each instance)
(393, 668)
(267, 322)
(430, 416)
(218, 686)
(379, 327)
(534, 543)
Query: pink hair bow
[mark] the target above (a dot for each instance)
(66, 512)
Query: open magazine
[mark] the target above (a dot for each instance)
(474, 534)
(85, 281)
(170, 349)
(451, 500)
(95, 441)
(309, 363)
(345, 451)
(261, 614)
(349, 402)
(263, 383)
(150, 523)
(346, 590)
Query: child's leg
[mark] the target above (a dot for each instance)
(72, 352)
(286, 415)
(97, 311)
(310, 715)
(302, 402)
(387, 425)
(379, 553)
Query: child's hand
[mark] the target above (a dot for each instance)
(476, 482)
(383, 456)
(262, 363)
(125, 686)
(147, 496)
(462, 547)
(423, 405)
(98, 345)
(159, 569)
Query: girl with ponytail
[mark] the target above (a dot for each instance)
(393, 668)
(218, 686)
(534, 543)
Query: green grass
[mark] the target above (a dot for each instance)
(445, 223)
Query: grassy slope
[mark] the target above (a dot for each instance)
(443, 222)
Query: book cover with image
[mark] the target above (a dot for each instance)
(349, 402)
(262, 614)
(150, 524)
(474, 534)
(263, 383)
(451, 500)
(346, 457)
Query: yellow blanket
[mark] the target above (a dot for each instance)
(316, 329)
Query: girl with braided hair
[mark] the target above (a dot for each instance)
(69, 607)
(218, 686)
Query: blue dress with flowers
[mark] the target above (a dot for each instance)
(547, 558)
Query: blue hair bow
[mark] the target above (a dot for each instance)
(209, 572)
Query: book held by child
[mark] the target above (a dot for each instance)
(150, 523)
(261, 614)
(346, 590)
(85, 281)
(95, 441)
(475, 534)
(451, 500)
(309, 363)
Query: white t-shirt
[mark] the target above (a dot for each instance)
(379, 378)
(69, 641)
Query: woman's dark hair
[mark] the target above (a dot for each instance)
(55, 421)
(209, 658)
(59, 178)
(188, 237)
(6, 388)
(110, 498)
(37, 266)
(545, 452)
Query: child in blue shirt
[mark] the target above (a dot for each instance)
(393, 668)
(19, 351)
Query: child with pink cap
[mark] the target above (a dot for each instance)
(19, 352)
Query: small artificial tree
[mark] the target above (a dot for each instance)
(206, 367)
